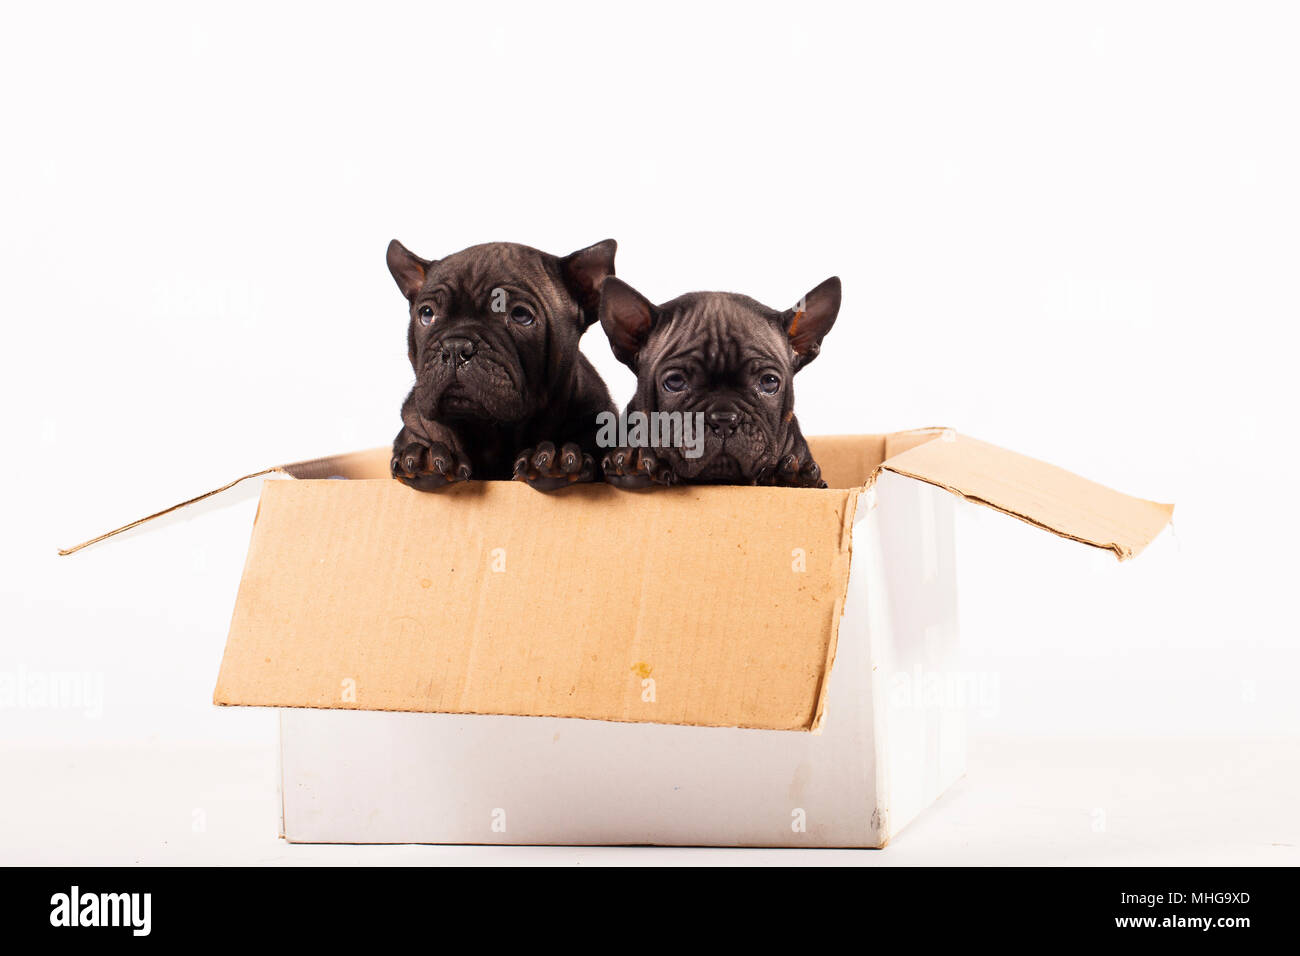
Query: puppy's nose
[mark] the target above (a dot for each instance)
(723, 424)
(456, 350)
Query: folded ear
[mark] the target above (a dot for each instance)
(407, 268)
(627, 318)
(583, 273)
(809, 321)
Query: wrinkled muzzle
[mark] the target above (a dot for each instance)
(464, 376)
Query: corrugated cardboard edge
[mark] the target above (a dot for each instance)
(225, 701)
(832, 645)
(279, 469)
(941, 461)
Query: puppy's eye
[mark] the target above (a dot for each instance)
(674, 382)
(523, 315)
(426, 314)
(769, 384)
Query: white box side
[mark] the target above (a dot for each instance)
(920, 690)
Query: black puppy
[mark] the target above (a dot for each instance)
(501, 390)
(728, 362)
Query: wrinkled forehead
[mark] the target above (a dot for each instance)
(720, 333)
(478, 270)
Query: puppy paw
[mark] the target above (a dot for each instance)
(636, 468)
(428, 467)
(793, 472)
(546, 469)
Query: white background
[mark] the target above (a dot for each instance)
(1067, 229)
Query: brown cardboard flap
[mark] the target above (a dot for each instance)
(851, 461)
(359, 464)
(705, 606)
(166, 511)
(1033, 491)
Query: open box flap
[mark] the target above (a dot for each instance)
(372, 463)
(847, 461)
(704, 606)
(712, 606)
(1033, 491)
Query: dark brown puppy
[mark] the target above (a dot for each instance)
(730, 360)
(501, 390)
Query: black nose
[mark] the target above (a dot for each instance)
(456, 350)
(723, 424)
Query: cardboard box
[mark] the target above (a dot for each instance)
(688, 666)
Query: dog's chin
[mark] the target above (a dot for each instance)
(462, 404)
(459, 401)
(474, 397)
(723, 469)
(720, 468)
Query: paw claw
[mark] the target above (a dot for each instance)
(547, 469)
(636, 468)
(429, 467)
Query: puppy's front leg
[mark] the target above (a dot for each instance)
(430, 460)
(568, 457)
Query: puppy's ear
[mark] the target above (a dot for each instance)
(407, 268)
(583, 273)
(809, 321)
(627, 318)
